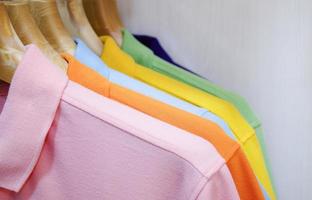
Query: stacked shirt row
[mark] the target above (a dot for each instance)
(131, 124)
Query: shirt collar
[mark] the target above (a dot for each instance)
(87, 57)
(115, 58)
(86, 76)
(135, 48)
(153, 44)
(139, 52)
(28, 113)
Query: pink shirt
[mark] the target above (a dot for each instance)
(59, 140)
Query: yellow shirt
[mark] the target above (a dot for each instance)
(115, 58)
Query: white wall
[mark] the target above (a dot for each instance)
(262, 49)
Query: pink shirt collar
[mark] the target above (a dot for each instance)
(28, 113)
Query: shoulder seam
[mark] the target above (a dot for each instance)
(203, 182)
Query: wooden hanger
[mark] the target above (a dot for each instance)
(104, 18)
(63, 11)
(74, 16)
(11, 47)
(28, 31)
(49, 22)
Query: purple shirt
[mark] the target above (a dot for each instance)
(59, 140)
(153, 44)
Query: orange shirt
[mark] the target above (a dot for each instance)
(243, 176)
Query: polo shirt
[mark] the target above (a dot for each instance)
(114, 57)
(86, 56)
(243, 176)
(60, 140)
(154, 45)
(147, 58)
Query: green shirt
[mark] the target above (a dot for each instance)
(146, 57)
